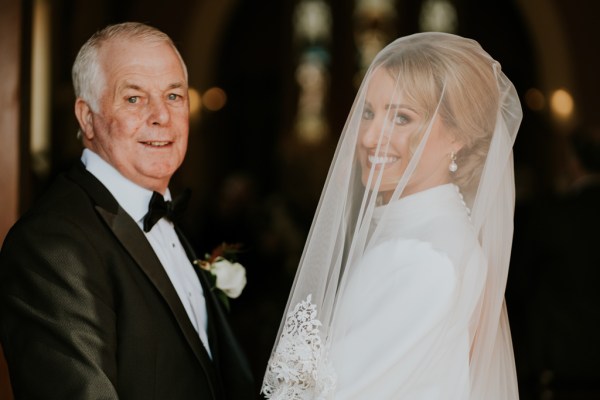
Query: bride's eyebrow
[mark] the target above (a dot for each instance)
(400, 106)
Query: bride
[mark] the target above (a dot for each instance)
(400, 289)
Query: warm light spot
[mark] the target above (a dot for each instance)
(375, 9)
(195, 101)
(40, 142)
(561, 103)
(535, 100)
(312, 129)
(438, 16)
(375, 25)
(214, 99)
(312, 20)
(312, 29)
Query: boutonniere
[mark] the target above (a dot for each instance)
(228, 277)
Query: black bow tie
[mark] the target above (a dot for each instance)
(159, 208)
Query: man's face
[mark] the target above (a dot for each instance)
(141, 127)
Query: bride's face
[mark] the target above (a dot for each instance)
(388, 114)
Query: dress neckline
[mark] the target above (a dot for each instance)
(434, 201)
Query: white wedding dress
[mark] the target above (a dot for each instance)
(404, 319)
(405, 300)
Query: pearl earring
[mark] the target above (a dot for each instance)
(453, 167)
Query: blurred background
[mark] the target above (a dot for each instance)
(272, 82)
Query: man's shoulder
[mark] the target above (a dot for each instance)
(65, 201)
(63, 195)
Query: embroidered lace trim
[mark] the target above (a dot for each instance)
(298, 369)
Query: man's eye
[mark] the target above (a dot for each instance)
(173, 96)
(132, 99)
(368, 114)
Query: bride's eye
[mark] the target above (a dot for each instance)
(401, 119)
(368, 114)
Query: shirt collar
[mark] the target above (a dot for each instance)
(133, 198)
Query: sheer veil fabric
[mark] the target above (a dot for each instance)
(400, 289)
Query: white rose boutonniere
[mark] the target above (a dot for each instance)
(231, 277)
(228, 277)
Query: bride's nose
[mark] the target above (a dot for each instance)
(373, 132)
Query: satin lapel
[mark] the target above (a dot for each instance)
(132, 238)
(138, 247)
(209, 296)
(231, 364)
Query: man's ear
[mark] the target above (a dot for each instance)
(84, 116)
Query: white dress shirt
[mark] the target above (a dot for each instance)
(134, 200)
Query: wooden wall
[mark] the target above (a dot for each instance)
(10, 48)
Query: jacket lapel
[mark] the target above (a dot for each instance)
(136, 244)
(209, 296)
(132, 238)
(229, 359)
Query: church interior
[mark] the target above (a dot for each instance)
(271, 83)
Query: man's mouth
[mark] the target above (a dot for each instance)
(156, 143)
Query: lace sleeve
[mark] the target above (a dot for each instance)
(299, 367)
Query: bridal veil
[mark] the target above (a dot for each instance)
(453, 110)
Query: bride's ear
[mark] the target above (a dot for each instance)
(456, 145)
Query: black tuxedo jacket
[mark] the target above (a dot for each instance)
(88, 312)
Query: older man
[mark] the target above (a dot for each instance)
(98, 297)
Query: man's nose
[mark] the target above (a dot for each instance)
(159, 112)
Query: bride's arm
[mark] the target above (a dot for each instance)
(397, 316)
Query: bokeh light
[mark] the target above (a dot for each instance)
(195, 101)
(535, 100)
(214, 99)
(561, 104)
